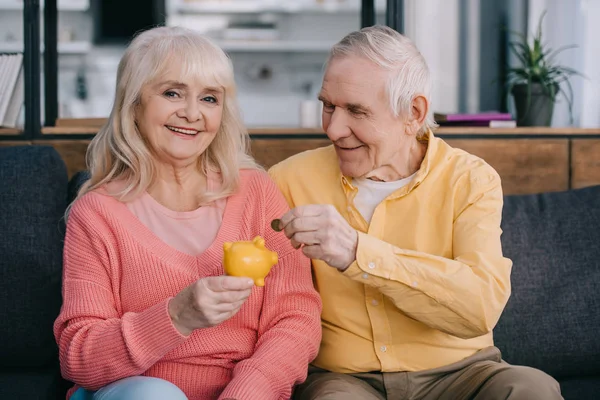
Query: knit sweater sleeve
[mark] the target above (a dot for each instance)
(290, 323)
(97, 344)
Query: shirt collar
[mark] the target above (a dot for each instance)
(426, 164)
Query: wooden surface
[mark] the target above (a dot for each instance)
(6, 143)
(91, 125)
(522, 131)
(453, 131)
(77, 122)
(525, 165)
(266, 152)
(69, 130)
(9, 131)
(91, 130)
(269, 152)
(585, 162)
(529, 160)
(71, 151)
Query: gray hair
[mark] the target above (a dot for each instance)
(409, 73)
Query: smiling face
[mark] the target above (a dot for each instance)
(370, 141)
(179, 117)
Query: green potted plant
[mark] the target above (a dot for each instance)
(536, 82)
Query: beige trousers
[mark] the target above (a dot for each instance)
(483, 376)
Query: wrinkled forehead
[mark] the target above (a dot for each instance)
(354, 79)
(357, 66)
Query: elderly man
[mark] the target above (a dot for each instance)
(404, 233)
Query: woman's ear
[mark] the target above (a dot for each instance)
(137, 108)
(418, 113)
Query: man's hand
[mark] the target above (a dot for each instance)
(323, 232)
(208, 302)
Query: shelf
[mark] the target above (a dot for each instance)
(239, 7)
(91, 126)
(63, 5)
(63, 47)
(292, 46)
(10, 131)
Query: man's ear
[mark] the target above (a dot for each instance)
(418, 113)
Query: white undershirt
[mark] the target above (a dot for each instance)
(371, 193)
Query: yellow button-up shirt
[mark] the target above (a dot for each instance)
(429, 281)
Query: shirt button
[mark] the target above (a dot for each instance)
(383, 349)
(365, 276)
(372, 265)
(349, 209)
(374, 302)
(415, 284)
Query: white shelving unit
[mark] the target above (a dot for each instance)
(213, 17)
(242, 7)
(62, 5)
(275, 46)
(63, 47)
(76, 47)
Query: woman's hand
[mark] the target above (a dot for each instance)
(208, 302)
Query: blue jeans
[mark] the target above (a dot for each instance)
(133, 388)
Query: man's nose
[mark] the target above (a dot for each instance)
(338, 126)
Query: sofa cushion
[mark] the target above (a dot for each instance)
(32, 384)
(75, 184)
(551, 321)
(33, 197)
(580, 388)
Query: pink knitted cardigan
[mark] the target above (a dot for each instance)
(119, 277)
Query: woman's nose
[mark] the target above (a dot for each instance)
(190, 111)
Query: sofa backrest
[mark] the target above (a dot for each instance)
(552, 319)
(33, 197)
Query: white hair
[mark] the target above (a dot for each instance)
(408, 71)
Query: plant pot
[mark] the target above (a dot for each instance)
(537, 110)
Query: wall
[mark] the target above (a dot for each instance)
(274, 101)
(460, 39)
(567, 23)
(433, 26)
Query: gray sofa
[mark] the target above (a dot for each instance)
(552, 320)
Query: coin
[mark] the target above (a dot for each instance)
(276, 225)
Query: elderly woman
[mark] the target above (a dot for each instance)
(148, 312)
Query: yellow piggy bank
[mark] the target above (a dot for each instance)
(249, 259)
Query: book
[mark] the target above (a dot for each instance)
(490, 124)
(253, 30)
(442, 118)
(11, 89)
(15, 105)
